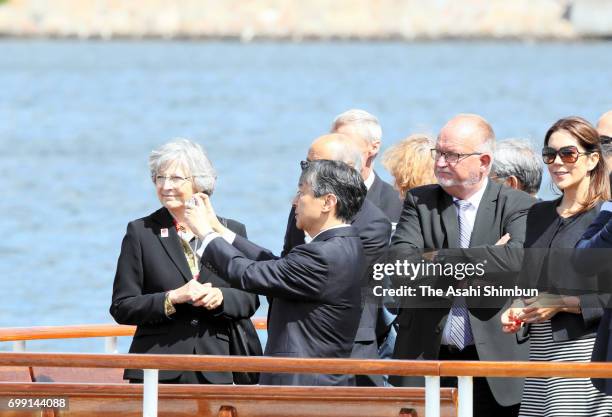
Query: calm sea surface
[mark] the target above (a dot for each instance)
(78, 119)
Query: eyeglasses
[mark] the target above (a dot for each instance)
(174, 180)
(605, 140)
(304, 164)
(568, 154)
(451, 157)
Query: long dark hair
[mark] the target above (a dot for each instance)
(588, 138)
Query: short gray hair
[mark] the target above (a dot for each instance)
(191, 156)
(365, 124)
(517, 157)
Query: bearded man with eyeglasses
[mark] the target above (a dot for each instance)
(480, 221)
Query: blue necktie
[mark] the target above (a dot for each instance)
(458, 330)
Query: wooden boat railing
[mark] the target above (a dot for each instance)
(110, 332)
(432, 370)
(151, 364)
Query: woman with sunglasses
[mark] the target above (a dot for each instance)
(562, 320)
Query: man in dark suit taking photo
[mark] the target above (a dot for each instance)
(315, 288)
(374, 231)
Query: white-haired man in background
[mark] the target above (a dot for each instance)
(361, 124)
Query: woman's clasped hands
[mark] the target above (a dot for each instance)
(197, 294)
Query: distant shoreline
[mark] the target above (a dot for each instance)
(313, 40)
(314, 20)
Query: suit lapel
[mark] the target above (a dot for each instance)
(485, 216)
(171, 243)
(449, 219)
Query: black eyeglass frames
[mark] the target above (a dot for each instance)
(451, 157)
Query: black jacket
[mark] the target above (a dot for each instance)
(386, 198)
(150, 264)
(548, 265)
(315, 292)
(593, 256)
(374, 231)
(429, 222)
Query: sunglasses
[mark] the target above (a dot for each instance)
(568, 154)
(605, 140)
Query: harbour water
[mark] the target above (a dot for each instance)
(78, 119)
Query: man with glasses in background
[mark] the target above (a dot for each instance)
(464, 210)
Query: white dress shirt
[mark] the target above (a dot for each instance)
(474, 200)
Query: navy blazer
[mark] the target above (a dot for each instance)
(590, 258)
(315, 291)
(151, 263)
(374, 231)
(599, 233)
(602, 351)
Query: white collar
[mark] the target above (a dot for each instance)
(307, 238)
(370, 180)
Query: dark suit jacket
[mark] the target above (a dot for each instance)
(602, 351)
(429, 222)
(315, 291)
(150, 265)
(590, 257)
(599, 233)
(593, 256)
(374, 231)
(386, 198)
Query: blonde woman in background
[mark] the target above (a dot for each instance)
(410, 163)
